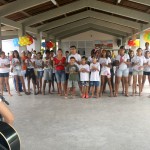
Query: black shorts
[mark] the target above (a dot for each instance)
(130, 73)
(146, 73)
(4, 75)
(31, 74)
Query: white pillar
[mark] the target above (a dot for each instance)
(38, 42)
(142, 42)
(21, 32)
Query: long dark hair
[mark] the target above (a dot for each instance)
(102, 53)
(18, 56)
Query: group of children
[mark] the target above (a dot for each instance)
(72, 71)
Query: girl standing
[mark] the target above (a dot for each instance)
(138, 63)
(16, 66)
(4, 73)
(105, 63)
(146, 69)
(30, 74)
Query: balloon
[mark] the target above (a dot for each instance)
(43, 44)
(49, 44)
(15, 41)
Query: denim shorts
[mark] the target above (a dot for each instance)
(40, 74)
(123, 73)
(48, 74)
(60, 75)
(84, 83)
(94, 83)
(4, 75)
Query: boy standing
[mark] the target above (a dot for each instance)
(84, 70)
(73, 71)
(94, 77)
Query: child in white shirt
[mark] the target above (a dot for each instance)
(105, 63)
(84, 70)
(94, 77)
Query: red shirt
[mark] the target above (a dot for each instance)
(59, 67)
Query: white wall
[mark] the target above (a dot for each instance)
(7, 46)
(89, 36)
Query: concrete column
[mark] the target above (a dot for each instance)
(38, 42)
(21, 32)
(142, 42)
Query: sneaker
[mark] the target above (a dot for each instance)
(86, 96)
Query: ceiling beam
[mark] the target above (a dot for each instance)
(144, 2)
(80, 28)
(81, 16)
(119, 10)
(19, 5)
(90, 20)
(115, 9)
(9, 37)
(53, 13)
(63, 21)
(17, 25)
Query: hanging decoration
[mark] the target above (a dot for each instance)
(49, 44)
(146, 36)
(15, 42)
(23, 41)
(134, 42)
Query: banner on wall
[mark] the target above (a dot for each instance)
(106, 44)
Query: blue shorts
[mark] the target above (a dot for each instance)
(60, 76)
(40, 74)
(94, 83)
(4, 75)
(84, 83)
(123, 73)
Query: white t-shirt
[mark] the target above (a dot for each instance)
(140, 60)
(147, 68)
(84, 76)
(123, 66)
(95, 73)
(29, 65)
(3, 62)
(105, 68)
(76, 56)
(16, 67)
(144, 51)
(38, 64)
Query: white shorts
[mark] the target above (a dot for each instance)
(123, 73)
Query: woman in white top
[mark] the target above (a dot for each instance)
(122, 60)
(4, 72)
(138, 63)
(146, 69)
(105, 63)
(16, 67)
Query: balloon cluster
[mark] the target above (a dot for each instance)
(134, 42)
(49, 44)
(23, 41)
(146, 36)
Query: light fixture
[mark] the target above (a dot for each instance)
(54, 2)
(118, 1)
